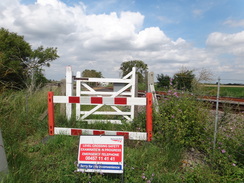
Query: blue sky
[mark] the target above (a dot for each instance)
(191, 19)
(165, 34)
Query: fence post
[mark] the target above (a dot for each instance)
(78, 89)
(136, 95)
(69, 90)
(149, 123)
(151, 89)
(133, 91)
(216, 115)
(63, 90)
(50, 114)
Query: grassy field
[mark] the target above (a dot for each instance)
(225, 90)
(181, 150)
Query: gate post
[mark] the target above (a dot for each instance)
(149, 116)
(69, 90)
(50, 114)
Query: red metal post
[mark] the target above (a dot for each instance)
(50, 113)
(149, 116)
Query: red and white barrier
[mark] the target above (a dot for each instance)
(77, 131)
(86, 100)
(101, 100)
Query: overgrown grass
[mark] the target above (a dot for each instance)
(181, 150)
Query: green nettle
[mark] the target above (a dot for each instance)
(181, 119)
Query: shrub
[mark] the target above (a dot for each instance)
(181, 119)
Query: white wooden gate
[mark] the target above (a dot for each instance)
(127, 90)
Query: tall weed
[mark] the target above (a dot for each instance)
(181, 120)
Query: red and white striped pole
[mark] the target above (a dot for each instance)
(149, 116)
(50, 114)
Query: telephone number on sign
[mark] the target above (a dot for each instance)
(96, 158)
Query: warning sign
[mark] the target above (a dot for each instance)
(101, 154)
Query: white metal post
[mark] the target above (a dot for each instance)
(69, 90)
(78, 91)
(216, 115)
(133, 91)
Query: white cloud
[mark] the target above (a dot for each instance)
(150, 39)
(103, 41)
(227, 43)
(229, 48)
(234, 23)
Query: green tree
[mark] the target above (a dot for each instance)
(183, 79)
(92, 74)
(20, 66)
(163, 80)
(13, 51)
(38, 58)
(141, 68)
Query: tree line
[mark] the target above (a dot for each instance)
(22, 67)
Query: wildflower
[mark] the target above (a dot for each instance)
(172, 116)
(175, 94)
(153, 174)
(223, 151)
(233, 164)
(148, 181)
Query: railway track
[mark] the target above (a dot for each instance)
(234, 104)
